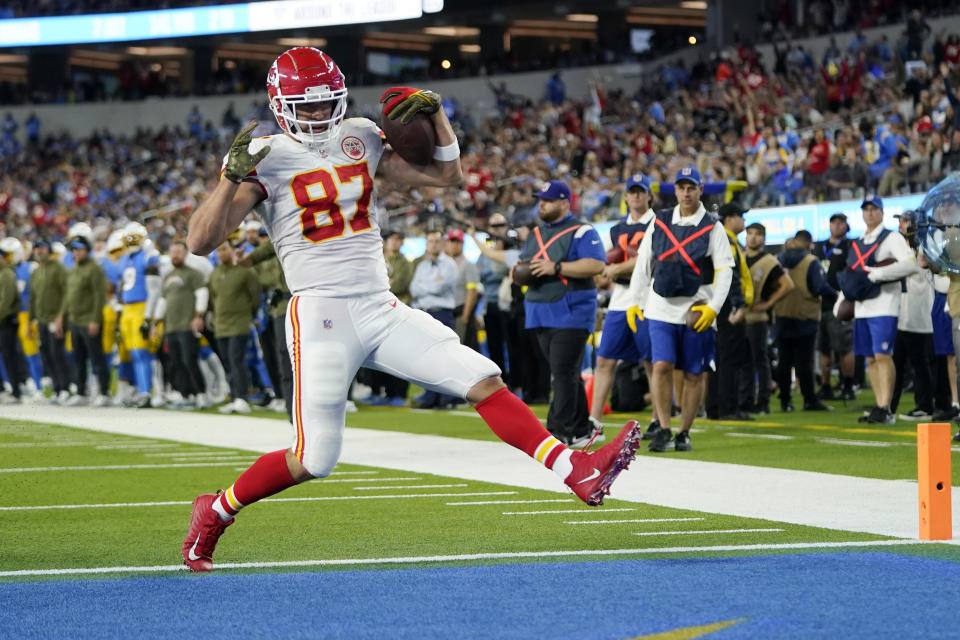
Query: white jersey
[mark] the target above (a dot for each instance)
(317, 211)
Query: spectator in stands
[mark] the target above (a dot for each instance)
(797, 318)
(917, 31)
(235, 296)
(82, 315)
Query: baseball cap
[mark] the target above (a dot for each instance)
(393, 232)
(838, 215)
(79, 243)
(689, 174)
(872, 199)
(732, 208)
(638, 180)
(759, 227)
(554, 190)
(41, 242)
(455, 234)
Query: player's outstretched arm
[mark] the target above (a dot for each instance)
(440, 172)
(223, 210)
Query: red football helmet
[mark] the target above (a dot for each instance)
(307, 75)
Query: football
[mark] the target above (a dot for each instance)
(414, 141)
(616, 255)
(522, 274)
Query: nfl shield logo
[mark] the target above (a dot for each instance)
(328, 324)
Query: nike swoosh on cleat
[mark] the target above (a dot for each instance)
(191, 555)
(595, 474)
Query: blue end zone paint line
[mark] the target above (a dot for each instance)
(850, 595)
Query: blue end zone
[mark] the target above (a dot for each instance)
(866, 595)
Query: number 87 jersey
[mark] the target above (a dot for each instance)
(318, 209)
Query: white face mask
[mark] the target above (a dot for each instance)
(317, 135)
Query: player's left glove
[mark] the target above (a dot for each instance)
(145, 329)
(634, 313)
(707, 316)
(240, 162)
(406, 102)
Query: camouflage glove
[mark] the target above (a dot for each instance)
(239, 160)
(406, 102)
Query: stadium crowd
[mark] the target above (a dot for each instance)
(863, 119)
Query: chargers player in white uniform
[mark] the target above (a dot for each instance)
(312, 186)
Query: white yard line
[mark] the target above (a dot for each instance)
(765, 436)
(465, 557)
(832, 501)
(691, 533)
(556, 511)
(111, 467)
(411, 486)
(856, 443)
(637, 520)
(128, 505)
(465, 504)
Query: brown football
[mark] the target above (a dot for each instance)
(845, 310)
(523, 274)
(414, 141)
(615, 255)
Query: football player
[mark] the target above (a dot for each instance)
(139, 292)
(27, 330)
(311, 187)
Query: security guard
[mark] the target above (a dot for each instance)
(561, 305)
(683, 267)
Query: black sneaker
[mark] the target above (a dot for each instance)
(956, 438)
(661, 440)
(848, 394)
(869, 413)
(946, 415)
(682, 441)
(881, 415)
(826, 393)
(917, 415)
(737, 416)
(651, 430)
(762, 409)
(816, 405)
(787, 407)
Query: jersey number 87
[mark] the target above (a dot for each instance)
(327, 203)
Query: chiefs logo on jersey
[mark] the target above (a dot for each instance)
(353, 147)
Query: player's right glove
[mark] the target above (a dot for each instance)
(634, 313)
(240, 162)
(145, 329)
(406, 102)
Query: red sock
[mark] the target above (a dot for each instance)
(516, 424)
(265, 477)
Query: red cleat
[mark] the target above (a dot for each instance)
(594, 471)
(206, 527)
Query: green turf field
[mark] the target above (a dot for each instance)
(56, 480)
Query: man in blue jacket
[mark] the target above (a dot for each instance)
(561, 304)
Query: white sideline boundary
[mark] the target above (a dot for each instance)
(347, 562)
(866, 505)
